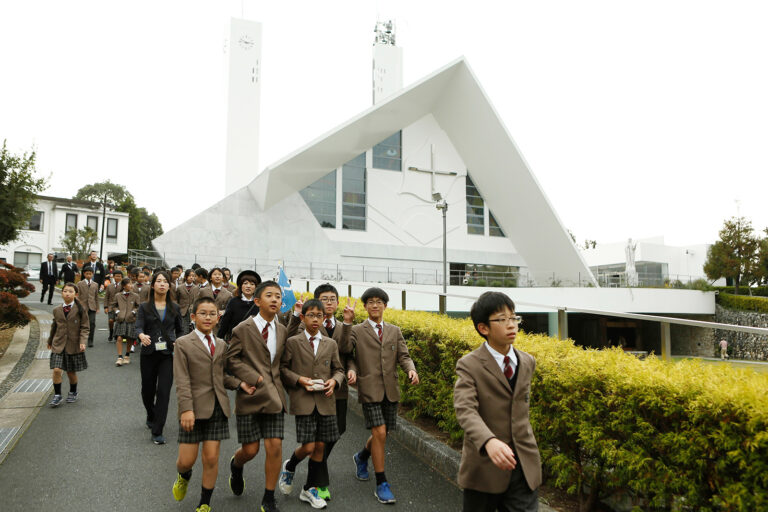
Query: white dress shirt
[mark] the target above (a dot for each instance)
(271, 338)
(204, 342)
(316, 341)
(499, 357)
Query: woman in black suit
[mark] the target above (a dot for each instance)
(158, 323)
(241, 306)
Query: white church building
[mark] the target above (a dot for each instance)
(359, 202)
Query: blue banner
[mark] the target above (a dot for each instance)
(289, 299)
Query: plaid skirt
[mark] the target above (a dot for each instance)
(186, 324)
(111, 315)
(69, 362)
(126, 330)
(381, 413)
(253, 427)
(314, 427)
(214, 428)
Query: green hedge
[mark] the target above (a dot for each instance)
(682, 436)
(760, 291)
(743, 302)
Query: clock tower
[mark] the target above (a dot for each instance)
(243, 104)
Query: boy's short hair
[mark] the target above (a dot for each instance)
(224, 270)
(310, 304)
(201, 272)
(374, 293)
(202, 300)
(187, 272)
(325, 288)
(179, 267)
(264, 285)
(147, 273)
(126, 281)
(87, 269)
(195, 266)
(216, 269)
(487, 304)
(117, 273)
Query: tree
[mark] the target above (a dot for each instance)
(78, 242)
(762, 260)
(13, 286)
(18, 187)
(96, 193)
(735, 254)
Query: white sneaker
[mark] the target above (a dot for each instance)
(310, 496)
(286, 480)
(119, 361)
(126, 360)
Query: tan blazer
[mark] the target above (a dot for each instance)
(486, 408)
(299, 360)
(89, 296)
(70, 331)
(340, 334)
(127, 307)
(376, 361)
(221, 299)
(185, 298)
(143, 293)
(200, 378)
(110, 296)
(248, 359)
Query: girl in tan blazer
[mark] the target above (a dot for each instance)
(126, 306)
(204, 410)
(69, 335)
(311, 370)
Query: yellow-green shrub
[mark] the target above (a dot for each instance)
(743, 302)
(684, 435)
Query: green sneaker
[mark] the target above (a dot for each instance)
(324, 493)
(180, 488)
(203, 508)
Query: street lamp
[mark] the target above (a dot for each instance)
(442, 205)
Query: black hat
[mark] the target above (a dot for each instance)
(248, 273)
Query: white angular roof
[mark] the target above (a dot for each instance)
(455, 98)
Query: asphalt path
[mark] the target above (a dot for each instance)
(97, 454)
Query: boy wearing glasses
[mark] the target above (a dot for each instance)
(500, 464)
(311, 370)
(378, 349)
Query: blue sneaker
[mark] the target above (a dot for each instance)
(286, 479)
(361, 467)
(384, 493)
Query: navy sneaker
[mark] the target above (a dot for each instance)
(71, 397)
(384, 493)
(158, 439)
(56, 401)
(361, 467)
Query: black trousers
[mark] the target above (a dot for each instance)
(48, 287)
(156, 381)
(517, 498)
(92, 322)
(341, 419)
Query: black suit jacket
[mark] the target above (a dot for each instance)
(98, 271)
(149, 322)
(69, 270)
(45, 276)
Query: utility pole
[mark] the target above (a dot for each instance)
(442, 205)
(103, 223)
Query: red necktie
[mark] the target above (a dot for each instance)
(508, 371)
(312, 343)
(265, 333)
(328, 325)
(216, 293)
(189, 287)
(378, 326)
(66, 309)
(211, 346)
(125, 294)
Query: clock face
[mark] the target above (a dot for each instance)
(246, 42)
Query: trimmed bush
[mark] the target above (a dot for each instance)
(743, 302)
(760, 291)
(13, 286)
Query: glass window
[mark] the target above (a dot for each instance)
(112, 228)
(387, 154)
(475, 210)
(27, 259)
(92, 222)
(35, 222)
(353, 194)
(71, 222)
(493, 226)
(321, 199)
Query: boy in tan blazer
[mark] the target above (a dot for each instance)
(215, 290)
(500, 463)
(141, 286)
(311, 370)
(110, 297)
(69, 334)
(186, 293)
(378, 349)
(126, 305)
(254, 357)
(198, 371)
(88, 292)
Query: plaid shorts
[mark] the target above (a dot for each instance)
(111, 315)
(126, 330)
(69, 362)
(214, 428)
(381, 413)
(253, 427)
(315, 427)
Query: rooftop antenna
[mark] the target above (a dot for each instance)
(387, 61)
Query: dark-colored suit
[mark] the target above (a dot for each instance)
(69, 271)
(98, 271)
(49, 275)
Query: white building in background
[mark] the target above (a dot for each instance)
(655, 261)
(54, 216)
(359, 202)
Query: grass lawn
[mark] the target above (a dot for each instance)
(761, 367)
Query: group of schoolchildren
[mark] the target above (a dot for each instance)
(208, 335)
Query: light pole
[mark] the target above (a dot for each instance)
(103, 222)
(442, 205)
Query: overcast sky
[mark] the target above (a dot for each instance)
(638, 118)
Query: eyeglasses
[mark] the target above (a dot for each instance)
(326, 300)
(317, 316)
(207, 315)
(517, 320)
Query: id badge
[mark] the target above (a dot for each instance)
(160, 344)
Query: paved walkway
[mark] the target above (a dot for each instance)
(97, 455)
